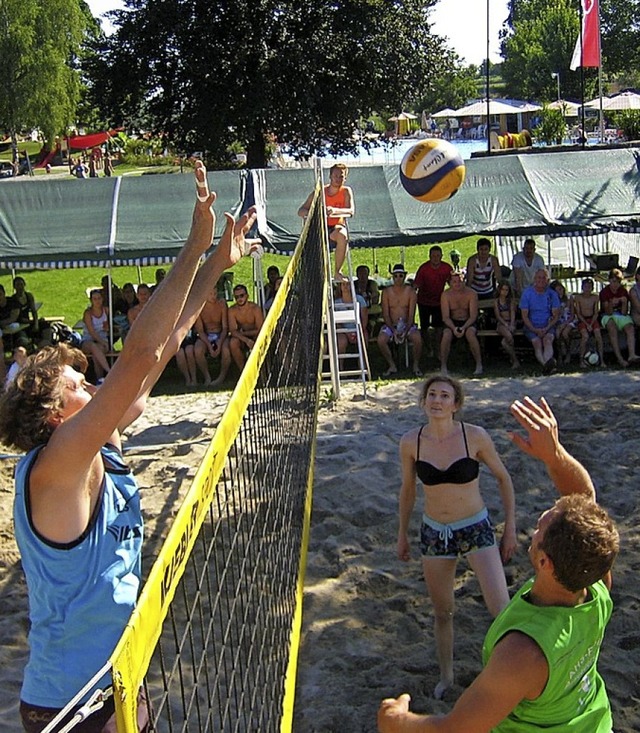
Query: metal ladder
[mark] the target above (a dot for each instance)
(340, 318)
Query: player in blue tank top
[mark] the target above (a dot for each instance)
(77, 510)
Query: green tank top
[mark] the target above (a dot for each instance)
(574, 699)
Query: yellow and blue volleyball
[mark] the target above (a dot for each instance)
(432, 171)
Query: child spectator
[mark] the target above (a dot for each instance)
(19, 359)
(566, 322)
(504, 309)
(587, 309)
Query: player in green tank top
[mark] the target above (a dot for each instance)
(541, 652)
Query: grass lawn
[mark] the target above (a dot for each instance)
(62, 292)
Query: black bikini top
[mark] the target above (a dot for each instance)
(461, 471)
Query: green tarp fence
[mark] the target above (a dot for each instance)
(65, 223)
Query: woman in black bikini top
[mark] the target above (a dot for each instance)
(462, 471)
(445, 454)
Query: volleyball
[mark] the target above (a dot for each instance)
(592, 358)
(432, 171)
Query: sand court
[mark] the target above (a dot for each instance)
(367, 626)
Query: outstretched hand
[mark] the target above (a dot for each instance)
(392, 714)
(542, 429)
(203, 222)
(233, 244)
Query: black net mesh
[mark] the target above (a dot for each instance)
(224, 651)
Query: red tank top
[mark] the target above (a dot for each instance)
(338, 200)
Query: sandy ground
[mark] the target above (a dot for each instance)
(367, 628)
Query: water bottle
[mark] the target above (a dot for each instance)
(401, 331)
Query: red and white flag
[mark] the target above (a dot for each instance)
(590, 55)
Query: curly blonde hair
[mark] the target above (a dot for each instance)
(35, 396)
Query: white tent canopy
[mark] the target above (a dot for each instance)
(625, 100)
(446, 112)
(496, 107)
(403, 116)
(566, 107)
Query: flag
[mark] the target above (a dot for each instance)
(590, 37)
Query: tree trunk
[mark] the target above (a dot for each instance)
(14, 147)
(257, 151)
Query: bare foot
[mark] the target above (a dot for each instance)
(441, 688)
(478, 371)
(390, 372)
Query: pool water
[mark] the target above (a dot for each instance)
(394, 153)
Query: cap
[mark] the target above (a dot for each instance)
(398, 268)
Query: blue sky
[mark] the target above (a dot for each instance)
(464, 22)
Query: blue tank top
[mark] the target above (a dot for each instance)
(81, 594)
(462, 471)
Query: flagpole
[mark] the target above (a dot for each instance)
(487, 88)
(600, 77)
(582, 116)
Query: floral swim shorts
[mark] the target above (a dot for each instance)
(458, 538)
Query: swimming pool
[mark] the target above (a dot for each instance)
(389, 154)
(393, 153)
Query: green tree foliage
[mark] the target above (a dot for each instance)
(538, 42)
(207, 74)
(453, 88)
(628, 121)
(39, 44)
(620, 27)
(552, 128)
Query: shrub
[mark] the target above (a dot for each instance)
(552, 128)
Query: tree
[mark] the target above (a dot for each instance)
(39, 44)
(537, 43)
(620, 26)
(453, 88)
(206, 74)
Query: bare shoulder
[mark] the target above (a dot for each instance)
(409, 438)
(477, 435)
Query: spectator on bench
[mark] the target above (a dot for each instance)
(26, 303)
(614, 305)
(212, 329)
(459, 305)
(504, 310)
(399, 303)
(541, 308)
(245, 322)
(587, 307)
(483, 270)
(95, 336)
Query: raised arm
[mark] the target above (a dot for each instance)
(542, 442)
(79, 438)
(230, 249)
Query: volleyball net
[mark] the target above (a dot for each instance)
(214, 637)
